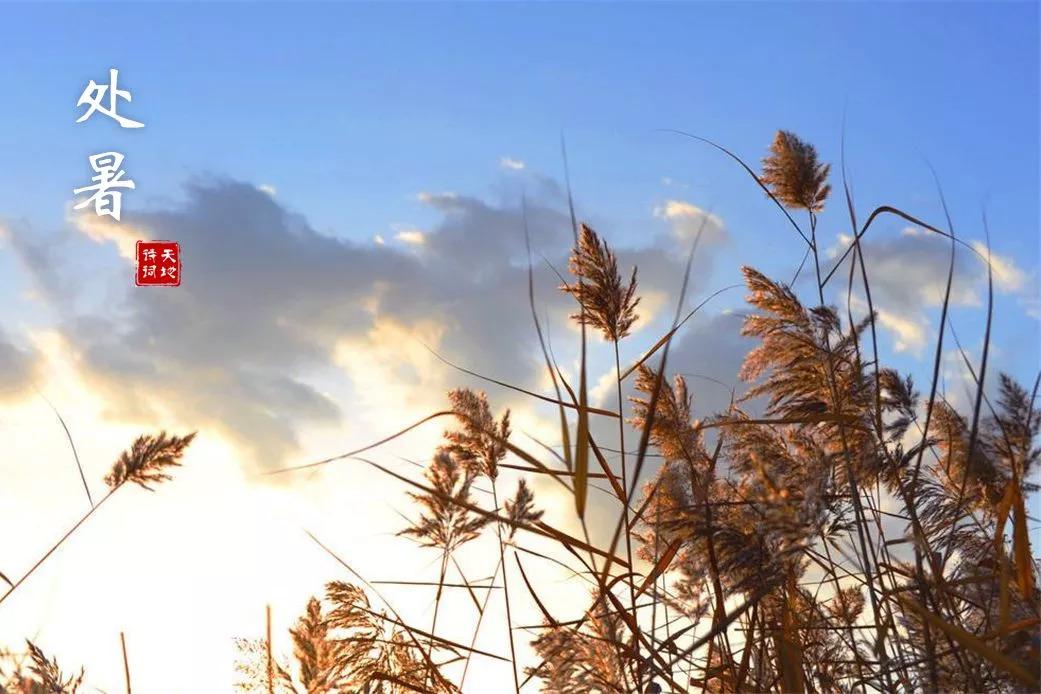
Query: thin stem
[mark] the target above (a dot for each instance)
(270, 660)
(506, 593)
(851, 478)
(126, 662)
(437, 606)
(56, 545)
(625, 484)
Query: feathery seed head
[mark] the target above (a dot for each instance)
(607, 303)
(146, 460)
(521, 509)
(480, 443)
(794, 175)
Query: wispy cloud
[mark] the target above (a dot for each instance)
(687, 220)
(909, 277)
(1008, 277)
(412, 237)
(270, 309)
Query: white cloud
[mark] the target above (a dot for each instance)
(104, 229)
(844, 240)
(908, 275)
(1007, 276)
(18, 368)
(687, 220)
(268, 188)
(678, 209)
(436, 198)
(255, 350)
(511, 164)
(908, 332)
(412, 237)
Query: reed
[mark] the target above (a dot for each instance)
(833, 530)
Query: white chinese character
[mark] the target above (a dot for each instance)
(95, 92)
(170, 272)
(148, 271)
(148, 254)
(168, 255)
(106, 200)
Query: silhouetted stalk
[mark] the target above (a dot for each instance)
(267, 647)
(437, 607)
(126, 662)
(838, 591)
(480, 621)
(625, 486)
(72, 445)
(850, 476)
(506, 592)
(56, 545)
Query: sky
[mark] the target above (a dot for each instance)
(346, 182)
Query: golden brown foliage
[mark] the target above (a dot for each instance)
(342, 644)
(608, 304)
(147, 460)
(794, 175)
(480, 442)
(447, 521)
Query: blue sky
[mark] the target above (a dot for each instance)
(349, 113)
(350, 110)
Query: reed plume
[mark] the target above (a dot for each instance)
(520, 510)
(447, 522)
(147, 460)
(608, 304)
(674, 431)
(341, 644)
(46, 676)
(793, 174)
(817, 536)
(480, 442)
(584, 657)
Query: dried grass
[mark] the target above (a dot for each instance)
(856, 536)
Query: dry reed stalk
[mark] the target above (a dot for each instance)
(126, 661)
(145, 462)
(774, 537)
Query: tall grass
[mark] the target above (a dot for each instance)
(833, 530)
(146, 463)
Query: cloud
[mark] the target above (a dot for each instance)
(909, 334)
(707, 352)
(18, 368)
(687, 220)
(908, 275)
(709, 356)
(511, 164)
(104, 229)
(441, 200)
(1007, 276)
(412, 237)
(277, 327)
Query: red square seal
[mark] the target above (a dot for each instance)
(158, 264)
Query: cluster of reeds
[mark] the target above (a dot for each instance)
(146, 463)
(834, 530)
